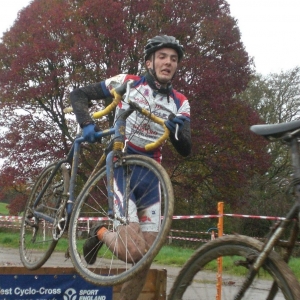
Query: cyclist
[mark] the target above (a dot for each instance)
(161, 54)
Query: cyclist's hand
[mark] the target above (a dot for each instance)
(174, 120)
(89, 133)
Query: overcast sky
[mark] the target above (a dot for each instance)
(269, 28)
(270, 32)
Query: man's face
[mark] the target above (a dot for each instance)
(165, 64)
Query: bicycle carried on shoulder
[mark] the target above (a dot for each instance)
(253, 269)
(53, 209)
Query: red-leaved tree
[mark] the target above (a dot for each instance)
(55, 46)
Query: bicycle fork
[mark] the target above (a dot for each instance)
(114, 160)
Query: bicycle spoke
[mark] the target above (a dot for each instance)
(39, 237)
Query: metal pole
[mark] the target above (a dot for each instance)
(220, 234)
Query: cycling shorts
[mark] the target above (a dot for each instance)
(144, 197)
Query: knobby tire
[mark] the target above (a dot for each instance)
(91, 205)
(198, 277)
(36, 235)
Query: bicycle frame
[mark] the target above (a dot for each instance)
(73, 159)
(56, 204)
(291, 139)
(118, 148)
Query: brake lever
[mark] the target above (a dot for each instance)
(128, 86)
(176, 131)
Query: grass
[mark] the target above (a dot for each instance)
(294, 264)
(173, 256)
(168, 255)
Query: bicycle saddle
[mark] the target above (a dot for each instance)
(275, 130)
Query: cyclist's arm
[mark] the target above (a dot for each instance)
(81, 101)
(184, 143)
(81, 98)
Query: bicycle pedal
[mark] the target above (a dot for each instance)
(29, 223)
(61, 224)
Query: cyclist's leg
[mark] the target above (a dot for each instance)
(128, 242)
(131, 289)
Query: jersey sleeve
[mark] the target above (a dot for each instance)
(116, 81)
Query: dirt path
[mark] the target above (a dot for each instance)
(10, 257)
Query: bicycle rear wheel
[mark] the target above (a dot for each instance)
(39, 235)
(92, 206)
(198, 277)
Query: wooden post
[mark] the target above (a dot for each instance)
(220, 234)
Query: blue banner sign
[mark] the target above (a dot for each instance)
(54, 287)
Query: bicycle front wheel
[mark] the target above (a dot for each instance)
(199, 278)
(39, 235)
(92, 205)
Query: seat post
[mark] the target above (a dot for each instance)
(295, 157)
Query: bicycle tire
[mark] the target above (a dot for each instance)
(37, 236)
(92, 202)
(196, 281)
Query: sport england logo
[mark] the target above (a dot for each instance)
(70, 294)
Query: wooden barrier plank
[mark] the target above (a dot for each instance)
(154, 288)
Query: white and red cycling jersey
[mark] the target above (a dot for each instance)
(139, 130)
